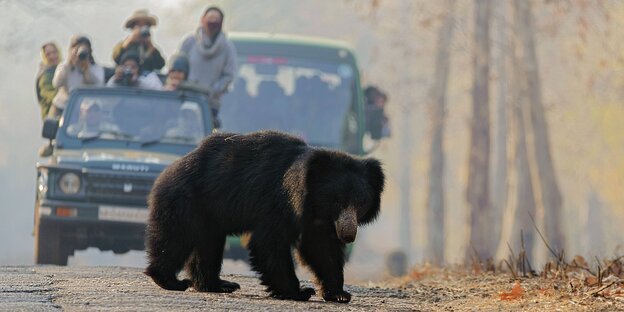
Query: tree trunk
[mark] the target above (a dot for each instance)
(548, 195)
(499, 176)
(437, 108)
(477, 193)
(520, 195)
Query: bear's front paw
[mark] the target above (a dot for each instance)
(227, 286)
(337, 296)
(303, 294)
(221, 286)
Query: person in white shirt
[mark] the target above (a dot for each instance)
(79, 70)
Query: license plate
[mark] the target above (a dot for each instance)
(111, 213)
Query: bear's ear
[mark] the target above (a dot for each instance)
(375, 174)
(376, 180)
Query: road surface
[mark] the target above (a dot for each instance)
(52, 288)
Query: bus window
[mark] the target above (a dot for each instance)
(309, 98)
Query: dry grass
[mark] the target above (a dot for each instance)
(570, 286)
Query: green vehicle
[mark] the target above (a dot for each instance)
(305, 86)
(108, 148)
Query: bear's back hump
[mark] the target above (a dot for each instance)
(254, 149)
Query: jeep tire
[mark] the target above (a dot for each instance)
(48, 248)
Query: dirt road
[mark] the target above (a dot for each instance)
(47, 288)
(50, 288)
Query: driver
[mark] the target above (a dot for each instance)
(189, 124)
(90, 122)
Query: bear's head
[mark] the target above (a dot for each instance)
(344, 190)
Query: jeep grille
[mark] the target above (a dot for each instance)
(116, 188)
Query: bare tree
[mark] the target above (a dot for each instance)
(547, 193)
(499, 176)
(477, 193)
(521, 196)
(437, 111)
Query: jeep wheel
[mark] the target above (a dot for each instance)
(48, 249)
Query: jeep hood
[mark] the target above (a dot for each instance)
(126, 160)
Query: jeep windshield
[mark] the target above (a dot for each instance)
(146, 119)
(303, 96)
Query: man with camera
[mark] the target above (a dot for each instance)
(80, 69)
(140, 42)
(127, 74)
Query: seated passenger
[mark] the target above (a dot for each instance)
(127, 74)
(189, 126)
(90, 122)
(140, 42)
(178, 72)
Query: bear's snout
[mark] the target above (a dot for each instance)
(346, 225)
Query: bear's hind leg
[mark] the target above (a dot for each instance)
(271, 256)
(167, 252)
(204, 265)
(323, 252)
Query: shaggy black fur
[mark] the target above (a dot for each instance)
(285, 192)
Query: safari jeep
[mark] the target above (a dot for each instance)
(108, 148)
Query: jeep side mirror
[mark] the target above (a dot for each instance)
(50, 127)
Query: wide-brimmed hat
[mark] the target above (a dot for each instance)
(139, 15)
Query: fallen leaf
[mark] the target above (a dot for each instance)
(591, 281)
(580, 261)
(516, 292)
(546, 291)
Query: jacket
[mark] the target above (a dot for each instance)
(212, 64)
(45, 90)
(151, 62)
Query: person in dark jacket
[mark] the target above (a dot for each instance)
(50, 57)
(140, 41)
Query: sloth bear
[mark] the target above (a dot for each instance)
(285, 192)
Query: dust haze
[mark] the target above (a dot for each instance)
(398, 61)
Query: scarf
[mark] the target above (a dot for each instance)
(207, 46)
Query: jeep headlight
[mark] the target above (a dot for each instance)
(42, 182)
(69, 183)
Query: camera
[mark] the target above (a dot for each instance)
(126, 78)
(83, 53)
(145, 31)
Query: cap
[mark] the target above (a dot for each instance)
(180, 62)
(130, 55)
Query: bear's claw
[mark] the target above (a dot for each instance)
(227, 286)
(167, 282)
(222, 286)
(337, 296)
(303, 294)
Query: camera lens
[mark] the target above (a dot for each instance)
(145, 31)
(83, 53)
